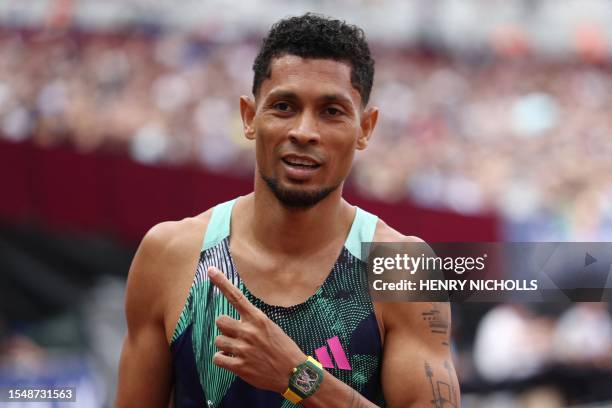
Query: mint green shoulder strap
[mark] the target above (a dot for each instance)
(362, 230)
(219, 225)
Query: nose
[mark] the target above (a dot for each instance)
(306, 130)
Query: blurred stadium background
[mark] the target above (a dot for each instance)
(114, 115)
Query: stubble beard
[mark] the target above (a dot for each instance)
(296, 198)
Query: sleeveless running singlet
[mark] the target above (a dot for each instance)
(336, 325)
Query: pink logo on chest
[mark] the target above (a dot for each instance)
(338, 353)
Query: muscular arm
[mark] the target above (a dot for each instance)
(158, 283)
(417, 366)
(145, 367)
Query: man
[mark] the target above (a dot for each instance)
(278, 312)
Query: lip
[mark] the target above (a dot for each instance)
(299, 173)
(301, 157)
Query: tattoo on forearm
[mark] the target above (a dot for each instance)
(437, 320)
(444, 393)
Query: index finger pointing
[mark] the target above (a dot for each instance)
(231, 292)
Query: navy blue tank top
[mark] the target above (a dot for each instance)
(336, 325)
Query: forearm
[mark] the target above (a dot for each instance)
(333, 393)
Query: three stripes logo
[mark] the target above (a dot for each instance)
(337, 351)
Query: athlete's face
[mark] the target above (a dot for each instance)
(307, 121)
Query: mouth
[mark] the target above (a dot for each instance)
(301, 162)
(300, 168)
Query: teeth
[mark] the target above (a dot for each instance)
(300, 162)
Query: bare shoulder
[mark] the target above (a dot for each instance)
(162, 264)
(169, 242)
(384, 233)
(168, 239)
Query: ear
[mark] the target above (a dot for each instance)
(368, 123)
(247, 112)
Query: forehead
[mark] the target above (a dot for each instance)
(310, 77)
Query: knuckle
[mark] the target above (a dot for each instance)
(236, 297)
(221, 321)
(241, 349)
(248, 333)
(218, 341)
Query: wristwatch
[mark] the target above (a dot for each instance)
(304, 381)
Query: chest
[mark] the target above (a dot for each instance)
(283, 279)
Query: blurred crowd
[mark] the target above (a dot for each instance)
(524, 137)
(533, 357)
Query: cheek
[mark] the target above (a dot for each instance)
(266, 141)
(262, 152)
(344, 158)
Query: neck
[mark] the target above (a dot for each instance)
(296, 231)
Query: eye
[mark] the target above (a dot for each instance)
(282, 106)
(331, 111)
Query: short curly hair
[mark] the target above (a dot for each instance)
(316, 36)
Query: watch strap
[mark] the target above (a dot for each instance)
(294, 394)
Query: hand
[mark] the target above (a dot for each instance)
(254, 348)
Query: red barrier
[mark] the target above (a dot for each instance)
(109, 193)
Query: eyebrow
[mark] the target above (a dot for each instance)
(337, 98)
(332, 97)
(282, 94)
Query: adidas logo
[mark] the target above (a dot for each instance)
(337, 351)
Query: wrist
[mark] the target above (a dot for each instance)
(304, 381)
(291, 363)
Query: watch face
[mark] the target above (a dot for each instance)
(306, 379)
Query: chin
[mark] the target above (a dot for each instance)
(296, 194)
